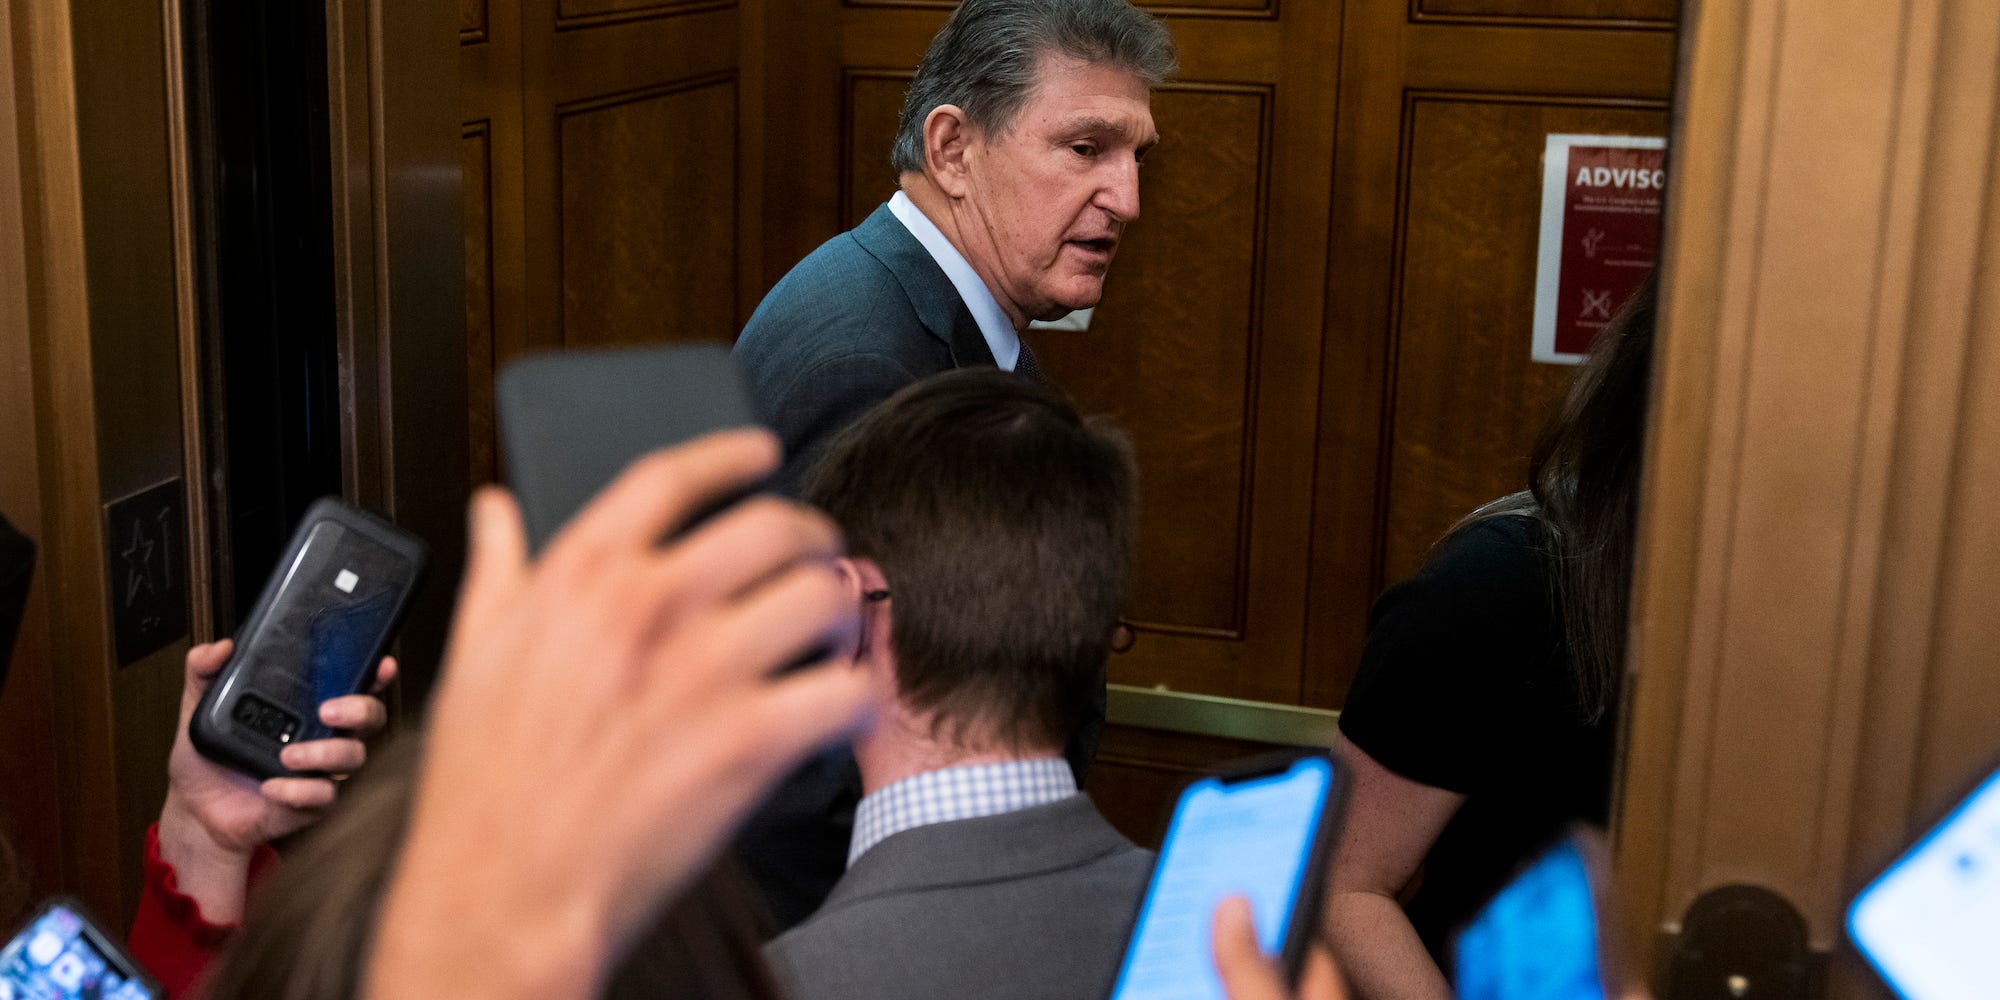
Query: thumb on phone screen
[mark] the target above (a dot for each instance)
(1249, 974)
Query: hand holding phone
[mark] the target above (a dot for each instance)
(62, 955)
(1262, 830)
(1248, 974)
(214, 819)
(315, 634)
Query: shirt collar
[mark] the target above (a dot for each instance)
(955, 793)
(979, 300)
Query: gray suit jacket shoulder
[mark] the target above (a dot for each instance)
(866, 314)
(1033, 903)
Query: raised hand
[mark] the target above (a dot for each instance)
(215, 818)
(607, 714)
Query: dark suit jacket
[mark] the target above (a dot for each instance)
(1034, 903)
(866, 314)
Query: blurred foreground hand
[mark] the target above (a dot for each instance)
(607, 715)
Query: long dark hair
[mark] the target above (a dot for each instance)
(1583, 485)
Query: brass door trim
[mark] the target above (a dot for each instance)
(1211, 715)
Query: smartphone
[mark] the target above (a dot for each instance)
(571, 422)
(316, 632)
(62, 955)
(1262, 829)
(1541, 936)
(1930, 923)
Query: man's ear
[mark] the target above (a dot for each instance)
(947, 133)
(861, 577)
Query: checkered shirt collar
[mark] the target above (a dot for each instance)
(958, 793)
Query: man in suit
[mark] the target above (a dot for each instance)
(988, 530)
(1017, 154)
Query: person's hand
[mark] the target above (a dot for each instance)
(1248, 974)
(214, 818)
(607, 714)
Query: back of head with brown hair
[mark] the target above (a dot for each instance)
(1003, 522)
(309, 930)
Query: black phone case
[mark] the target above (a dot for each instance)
(1304, 923)
(261, 703)
(571, 422)
(107, 946)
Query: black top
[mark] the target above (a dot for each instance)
(1465, 685)
(17, 564)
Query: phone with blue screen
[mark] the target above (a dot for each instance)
(1540, 937)
(1263, 830)
(1930, 923)
(61, 955)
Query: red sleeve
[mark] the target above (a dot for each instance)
(170, 937)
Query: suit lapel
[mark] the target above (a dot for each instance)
(937, 303)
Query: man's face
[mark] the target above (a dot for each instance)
(1047, 201)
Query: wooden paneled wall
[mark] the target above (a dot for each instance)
(610, 154)
(1318, 332)
(103, 395)
(1814, 638)
(1428, 402)
(93, 318)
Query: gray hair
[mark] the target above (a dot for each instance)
(984, 60)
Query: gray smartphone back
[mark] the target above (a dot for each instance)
(571, 422)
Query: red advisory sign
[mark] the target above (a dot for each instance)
(1601, 197)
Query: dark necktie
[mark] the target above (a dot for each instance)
(1025, 366)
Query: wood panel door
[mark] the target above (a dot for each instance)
(1317, 333)
(1205, 346)
(610, 152)
(1429, 403)
(1318, 330)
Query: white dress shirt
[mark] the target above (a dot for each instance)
(954, 793)
(985, 309)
